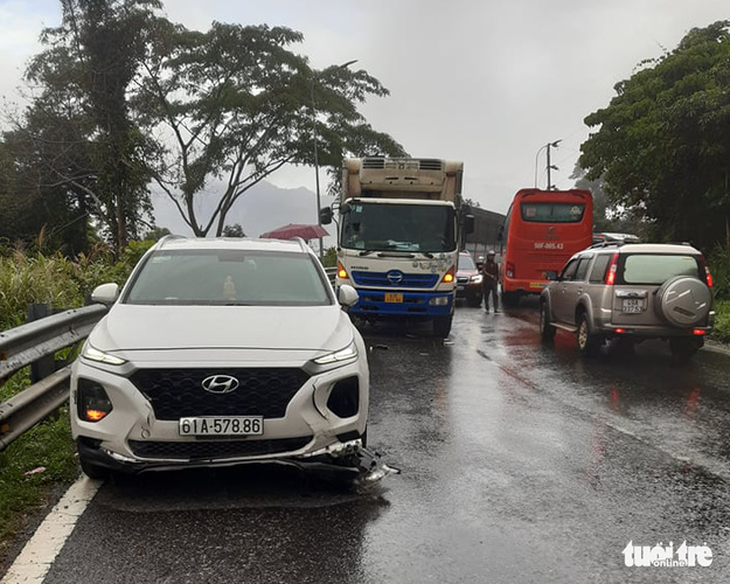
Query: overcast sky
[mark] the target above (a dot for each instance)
(484, 81)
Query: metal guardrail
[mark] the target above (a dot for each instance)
(20, 347)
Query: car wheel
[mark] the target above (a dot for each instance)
(442, 326)
(93, 471)
(683, 348)
(588, 343)
(547, 331)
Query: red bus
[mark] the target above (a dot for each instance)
(542, 230)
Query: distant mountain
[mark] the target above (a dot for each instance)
(262, 208)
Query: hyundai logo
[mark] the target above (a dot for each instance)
(394, 276)
(220, 384)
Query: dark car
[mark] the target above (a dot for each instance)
(468, 280)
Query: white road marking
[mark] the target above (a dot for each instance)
(38, 555)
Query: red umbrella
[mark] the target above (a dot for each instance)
(292, 230)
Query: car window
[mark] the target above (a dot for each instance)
(598, 273)
(582, 269)
(569, 270)
(205, 277)
(655, 269)
(466, 263)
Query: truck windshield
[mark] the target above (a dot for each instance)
(393, 227)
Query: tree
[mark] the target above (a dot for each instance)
(230, 106)
(78, 135)
(663, 143)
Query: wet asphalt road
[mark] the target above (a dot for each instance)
(520, 463)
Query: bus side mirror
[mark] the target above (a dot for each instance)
(469, 224)
(325, 216)
(344, 209)
(500, 233)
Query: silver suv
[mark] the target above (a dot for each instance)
(631, 292)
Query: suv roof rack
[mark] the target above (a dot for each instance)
(609, 244)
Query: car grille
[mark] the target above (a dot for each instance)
(178, 393)
(380, 279)
(216, 449)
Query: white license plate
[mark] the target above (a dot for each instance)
(632, 306)
(222, 426)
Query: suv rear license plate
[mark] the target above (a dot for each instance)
(632, 306)
(393, 297)
(222, 426)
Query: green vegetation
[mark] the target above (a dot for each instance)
(62, 283)
(721, 332)
(661, 147)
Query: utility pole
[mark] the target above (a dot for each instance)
(550, 185)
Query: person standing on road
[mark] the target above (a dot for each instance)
(490, 281)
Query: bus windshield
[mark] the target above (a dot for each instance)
(395, 227)
(552, 212)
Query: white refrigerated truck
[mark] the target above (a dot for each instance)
(399, 237)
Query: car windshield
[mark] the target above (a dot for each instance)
(228, 277)
(655, 269)
(393, 227)
(466, 263)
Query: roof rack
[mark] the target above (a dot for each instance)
(609, 244)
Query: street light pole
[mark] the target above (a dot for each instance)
(316, 155)
(550, 166)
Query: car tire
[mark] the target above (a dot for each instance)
(588, 343)
(683, 301)
(93, 471)
(683, 348)
(547, 331)
(473, 301)
(442, 326)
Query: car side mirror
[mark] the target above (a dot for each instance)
(105, 294)
(347, 295)
(551, 275)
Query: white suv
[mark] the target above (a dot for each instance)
(220, 352)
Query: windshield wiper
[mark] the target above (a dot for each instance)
(366, 252)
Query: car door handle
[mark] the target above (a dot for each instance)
(580, 290)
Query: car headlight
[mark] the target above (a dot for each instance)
(93, 354)
(337, 358)
(476, 279)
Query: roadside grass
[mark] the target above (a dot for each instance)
(47, 446)
(721, 331)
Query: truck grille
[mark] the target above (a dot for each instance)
(380, 279)
(177, 393)
(216, 449)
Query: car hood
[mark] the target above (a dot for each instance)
(143, 328)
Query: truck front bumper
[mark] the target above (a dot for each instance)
(388, 303)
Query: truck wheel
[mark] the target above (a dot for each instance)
(510, 299)
(442, 326)
(588, 343)
(547, 331)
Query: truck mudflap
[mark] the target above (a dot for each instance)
(373, 303)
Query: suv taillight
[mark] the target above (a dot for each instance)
(708, 275)
(510, 269)
(611, 271)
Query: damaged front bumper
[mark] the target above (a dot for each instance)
(346, 461)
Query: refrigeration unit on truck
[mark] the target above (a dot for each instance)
(399, 237)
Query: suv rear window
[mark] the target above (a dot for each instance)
(656, 269)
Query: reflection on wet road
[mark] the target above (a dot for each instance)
(520, 463)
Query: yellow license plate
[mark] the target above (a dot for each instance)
(537, 285)
(392, 297)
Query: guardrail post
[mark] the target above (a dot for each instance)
(44, 366)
